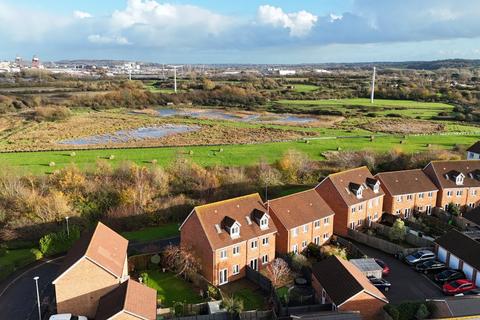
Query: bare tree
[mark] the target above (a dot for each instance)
(278, 272)
(180, 260)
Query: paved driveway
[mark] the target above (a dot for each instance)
(407, 284)
(18, 298)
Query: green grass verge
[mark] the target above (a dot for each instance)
(153, 233)
(232, 155)
(171, 289)
(15, 259)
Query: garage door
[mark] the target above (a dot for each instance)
(478, 279)
(468, 270)
(454, 261)
(442, 254)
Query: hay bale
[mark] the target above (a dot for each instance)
(52, 164)
(73, 154)
(111, 157)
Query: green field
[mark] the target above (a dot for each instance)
(232, 155)
(407, 108)
(305, 87)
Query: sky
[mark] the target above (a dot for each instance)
(242, 31)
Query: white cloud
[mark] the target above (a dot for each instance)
(299, 23)
(81, 14)
(334, 17)
(99, 39)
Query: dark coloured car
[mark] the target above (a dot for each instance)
(429, 266)
(458, 286)
(384, 266)
(449, 275)
(381, 284)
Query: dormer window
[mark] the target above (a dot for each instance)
(359, 193)
(261, 218)
(374, 184)
(235, 231)
(459, 179)
(232, 226)
(356, 189)
(264, 222)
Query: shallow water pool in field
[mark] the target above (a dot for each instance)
(134, 134)
(216, 114)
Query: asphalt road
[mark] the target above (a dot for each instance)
(18, 299)
(407, 284)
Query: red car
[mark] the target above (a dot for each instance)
(458, 286)
(384, 266)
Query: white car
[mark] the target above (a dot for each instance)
(67, 316)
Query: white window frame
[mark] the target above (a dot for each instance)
(305, 228)
(326, 236)
(316, 224)
(264, 222)
(254, 244)
(295, 248)
(316, 240)
(326, 221)
(236, 250)
(304, 244)
(220, 277)
(223, 254)
(265, 241)
(294, 232)
(430, 194)
(265, 259)
(235, 269)
(459, 193)
(421, 195)
(449, 193)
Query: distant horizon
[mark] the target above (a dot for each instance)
(249, 32)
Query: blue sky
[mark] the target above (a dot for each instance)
(248, 31)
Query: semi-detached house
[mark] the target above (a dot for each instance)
(301, 218)
(229, 235)
(407, 191)
(458, 182)
(355, 196)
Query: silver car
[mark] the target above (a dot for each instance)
(419, 256)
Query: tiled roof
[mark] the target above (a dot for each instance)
(342, 280)
(211, 217)
(131, 297)
(406, 182)
(300, 208)
(473, 215)
(461, 246)
(442, 173)
(342, 181)
(475, 147)
(103, 246)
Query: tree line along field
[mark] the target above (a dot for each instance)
(380, 107)
(227, 155)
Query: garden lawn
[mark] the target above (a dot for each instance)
(232, 155)
(171, 289)
(153, 233)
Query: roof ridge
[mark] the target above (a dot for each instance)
(397, 171)
(227, 200)
(293, 194)
(347, 170)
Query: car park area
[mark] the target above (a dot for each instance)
(406, 283)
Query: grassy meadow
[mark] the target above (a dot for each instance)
(227, 155)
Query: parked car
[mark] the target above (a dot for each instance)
(430, 265)
(384, 266)
(381, 284)
(419, 256)
(458, 286)
(66, 316)
(449, 275)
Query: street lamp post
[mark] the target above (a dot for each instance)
(68, 230)
(38, 298)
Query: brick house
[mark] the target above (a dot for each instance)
(355, 196)
(129, 301)
(473, 152)
(340, 283)
(301, 218)
(229, 235)
(407, 191)
(94, 266)
(458, 182)
(459, 251)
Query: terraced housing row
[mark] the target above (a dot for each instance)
(227, 236)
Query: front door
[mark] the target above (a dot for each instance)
(254, 264)
(324, 294)
(223, 276)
